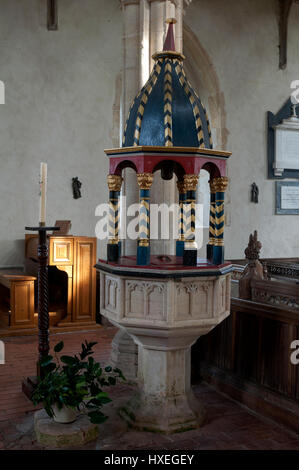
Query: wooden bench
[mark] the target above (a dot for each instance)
(18, 289)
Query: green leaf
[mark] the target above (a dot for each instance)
(59, 346)
(75, 381)
(112, 380)
(94, 389)
(104, 400)
(49, 410)
(95, 402)
(49, 368)
(96, 417)
(80, 385)
(102, 395)
(69, 360)
(46, 361)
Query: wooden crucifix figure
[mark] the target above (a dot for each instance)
(52, 15)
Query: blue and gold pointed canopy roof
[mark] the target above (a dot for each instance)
(167, 111)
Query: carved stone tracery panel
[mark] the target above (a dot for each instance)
(171, 301)
(146, 299)
(193, 300)
(111, 288)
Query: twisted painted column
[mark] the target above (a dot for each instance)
(190, 248)
(143, 250)
(220, 185)
(211, 243)
(182, 200)
(114, 245)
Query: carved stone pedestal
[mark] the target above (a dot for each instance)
(164, 401)
(124, 355)
(164, 310)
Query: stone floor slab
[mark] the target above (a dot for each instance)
(228, 425)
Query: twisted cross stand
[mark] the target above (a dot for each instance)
(43, 302)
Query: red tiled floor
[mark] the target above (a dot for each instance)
(20, 362)
(227, 426)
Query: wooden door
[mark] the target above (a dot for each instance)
(22, 304)
(84, 288)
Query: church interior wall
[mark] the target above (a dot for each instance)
(241, 41)
(62, 102)
(60, 90)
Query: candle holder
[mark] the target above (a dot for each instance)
(43, 303)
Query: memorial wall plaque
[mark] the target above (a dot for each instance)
(287, 197)
(286, 155)
(283, 142)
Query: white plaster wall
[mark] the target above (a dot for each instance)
(241, 39)
(60, 88)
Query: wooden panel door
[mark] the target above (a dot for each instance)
(22, 304)
(84, 280)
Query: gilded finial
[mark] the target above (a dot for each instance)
(171, 21)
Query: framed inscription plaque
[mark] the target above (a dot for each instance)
(283, 142)
(287, 197)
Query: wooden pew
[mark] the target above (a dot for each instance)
(247, 356)
(72, 278)
(18, 290)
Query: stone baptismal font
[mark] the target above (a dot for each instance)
(165, 303)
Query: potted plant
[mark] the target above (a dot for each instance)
(74, 384)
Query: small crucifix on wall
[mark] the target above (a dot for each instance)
(254, 193)
(52, 15)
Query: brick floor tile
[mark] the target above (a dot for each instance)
(227, 426)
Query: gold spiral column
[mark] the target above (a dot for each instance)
(145, 181)
(211, 243)
(220, 185)
(113, 247)
(190, 248)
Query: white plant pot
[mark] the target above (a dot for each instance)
(65, 415)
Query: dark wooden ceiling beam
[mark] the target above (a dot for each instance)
(52, 15)
(284, 11)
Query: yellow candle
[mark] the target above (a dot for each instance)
(43, 191)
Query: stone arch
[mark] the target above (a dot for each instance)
(123, 165)
(172, 166)
(202, 75)
(212, 169)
